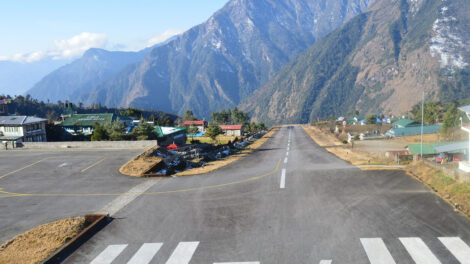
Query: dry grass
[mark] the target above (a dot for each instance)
(214, 165)
(221, 139)
(333, 145)
(457, 194)
(141, 164)
(37, 244)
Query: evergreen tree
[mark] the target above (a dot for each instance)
(144, 131)
(213, 131)
(99, 133)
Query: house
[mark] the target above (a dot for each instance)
(413, 130)
(402, 123)
(85, 123)
(200, 124)
(22, 129)
(170, 135)
(232, 130)
(464, 165)
(4, 106)
(453, 151)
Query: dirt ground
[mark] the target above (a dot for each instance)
(214, 165)
(37, 244)
(141, 164)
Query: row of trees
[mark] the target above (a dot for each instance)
(117, 131)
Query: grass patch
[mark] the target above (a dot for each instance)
(138, 166)
(456, 193)
(221, 139)
(214, 165)
(37, 244)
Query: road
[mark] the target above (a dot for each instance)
(289, 202)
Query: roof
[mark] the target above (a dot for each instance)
(88, 120)
(20, 120)
(438, 148)
(165, 131)
(405, 123)
(465, 108)
(195, 122)
(414, 130)
(451, 147)
(231, 127)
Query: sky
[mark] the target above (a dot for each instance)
(63, 29)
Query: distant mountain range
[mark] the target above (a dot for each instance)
(212, 66)
(379, 62)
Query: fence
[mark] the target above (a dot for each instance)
(452, 171)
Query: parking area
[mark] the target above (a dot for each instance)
(86, 180)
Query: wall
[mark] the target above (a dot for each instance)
(90, 144)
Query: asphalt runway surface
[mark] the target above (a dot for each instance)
(288, 202)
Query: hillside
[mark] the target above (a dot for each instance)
(217, 64)
(379, 62)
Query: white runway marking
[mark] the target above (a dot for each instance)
(376, 251)
(145, 253)
(287, 153)
(458, 248)
(325, 262)
(183, 253)
(109, 254)
(62, 165)
(283, 179)
(285, 160)
(419, 252)
(117, 204)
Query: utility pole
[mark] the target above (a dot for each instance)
(422, 125)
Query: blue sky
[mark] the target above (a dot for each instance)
(32, 29)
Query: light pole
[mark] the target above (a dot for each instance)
(422, 125)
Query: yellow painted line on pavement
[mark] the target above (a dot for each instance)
(93, 165)
(145, 193)
(25, 167)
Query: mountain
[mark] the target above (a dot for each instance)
(17, 77)
(83, 74)
(379, 62)
(217, 64)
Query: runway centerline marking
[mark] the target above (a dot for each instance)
(93, 165)
(285, 160)
(62, 165)
(283, 179)
(325, 262)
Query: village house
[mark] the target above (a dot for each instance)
(200, 124)
(464, 165)
(232, 130)
(85, 123)
(17, 129)
(170, 135)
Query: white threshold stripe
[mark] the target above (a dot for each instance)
(121, 201)
(325, 262)
(458, 248)
(376, 251)
(285, 160)
(145, 253)
(419, 252)
(109, 254)
(183, 253)
(283, 179)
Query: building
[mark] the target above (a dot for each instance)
(402, 123)
(465, 164)
(412, 131)
(232, 130)
(169, 135)
(22, 129)
(200, 124)
(85, 123)
(4, 106)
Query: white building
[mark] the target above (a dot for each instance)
(22, 129)
(465, 164)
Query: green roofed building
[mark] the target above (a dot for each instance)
(402, 123)
(84, 123)
(169, 135)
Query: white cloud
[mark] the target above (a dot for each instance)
(163, 37)
(77, 45)
(64, 49)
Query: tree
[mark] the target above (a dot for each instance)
(134, 112)
(99, 133)
(116, 130)
(213, 131)
(371, 119)
(451, 119)
(192, 130)
(144, 131)
(189, 116)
